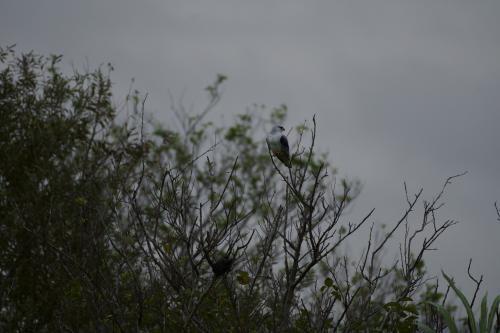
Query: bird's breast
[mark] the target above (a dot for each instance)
(274, 142)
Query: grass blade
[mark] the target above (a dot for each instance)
(493, 311)
(450, 322)
(470, 314)
(483, 320)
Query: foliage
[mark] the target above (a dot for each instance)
(113, 222)
(486, 318)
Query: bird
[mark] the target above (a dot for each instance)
(278, 144)
(222, 266)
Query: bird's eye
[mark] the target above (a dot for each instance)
(282, 128)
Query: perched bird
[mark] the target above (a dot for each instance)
(278, 144)
(222, 266)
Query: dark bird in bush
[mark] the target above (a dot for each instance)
(222, 266)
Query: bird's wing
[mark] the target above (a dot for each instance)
(284, 154)
(284, 145)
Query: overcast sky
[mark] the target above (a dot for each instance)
(403, 90)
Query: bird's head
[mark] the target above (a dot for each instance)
(277, 129)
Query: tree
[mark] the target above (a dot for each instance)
(128, 225)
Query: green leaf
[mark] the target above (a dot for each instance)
(81, 201)
(243, 278)
(411, 308)
(394, 305)
(328, 282)
(493, 311)
(167, 247)
(470, 314)
(483, 323)
(450, 322)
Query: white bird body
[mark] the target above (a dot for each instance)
(278, 144)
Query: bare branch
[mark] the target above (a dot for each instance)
(476, 282)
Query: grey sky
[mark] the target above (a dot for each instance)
(403, 90)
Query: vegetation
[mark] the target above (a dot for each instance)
(486, 320)
(110, 222)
